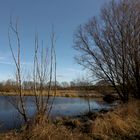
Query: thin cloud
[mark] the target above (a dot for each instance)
(73, 70)
(2, 58)
(68, 74)
(60, 76)
(6, 63)
(12, 63)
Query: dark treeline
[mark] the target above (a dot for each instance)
(10, 86)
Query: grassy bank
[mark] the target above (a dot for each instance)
(121, 123)
(60, 93)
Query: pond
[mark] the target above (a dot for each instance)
(63, 106)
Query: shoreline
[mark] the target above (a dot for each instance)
(113, 124)
(59, 93)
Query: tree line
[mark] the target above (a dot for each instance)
(11, 86)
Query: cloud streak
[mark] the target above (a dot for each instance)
(12, 63)
(68, 74)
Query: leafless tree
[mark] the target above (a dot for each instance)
(65, 84)
(39, 75)
(109, 46)
(19, 101)
(43, 74)
(83, 85)
(53, 59)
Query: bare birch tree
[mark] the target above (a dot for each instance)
(43, 72)
(19, 101)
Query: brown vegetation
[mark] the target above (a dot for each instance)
(122, 123)
(59, 93)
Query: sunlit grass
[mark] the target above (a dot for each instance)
(59, 93)
(124, 121)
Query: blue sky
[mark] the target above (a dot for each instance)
(39, 16)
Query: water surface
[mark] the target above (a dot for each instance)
(63, 106)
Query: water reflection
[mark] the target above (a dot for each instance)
(63, 106)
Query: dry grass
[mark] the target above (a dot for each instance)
(60, 93)
(123, 122)
(46, 131)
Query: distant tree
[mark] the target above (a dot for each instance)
(9, 85)
(109, 46)
(10, 82)
(83, 84)
(64, 84)
(102, 83)
(53, 83)
(72, 83)
(28, 84)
